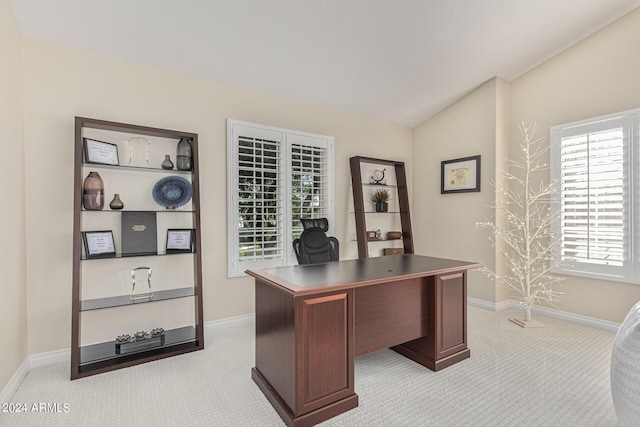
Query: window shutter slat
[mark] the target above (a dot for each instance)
(592, 209)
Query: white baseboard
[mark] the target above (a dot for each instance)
(61, 356)
(64, 355)
(577, 318)
(549, 312)
(489, 305)
(49, 358)
(15, 381)
(229, 321)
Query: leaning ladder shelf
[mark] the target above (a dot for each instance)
(359, 207)
(97, 357)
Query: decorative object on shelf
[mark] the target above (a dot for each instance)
(377, 177)
(185, 155)
(100, 152)
(93, 192)
(372, 235)
(139, 151)
(167, 163)
(92, 353)
(394, 235)
(139, 233)
(179, 240)
(116, 203)
(139, 341)
(98, 244)
(460, 175)
(141, 276)
(381, 198)
(172, 192)
(378, 234)
(362, 189)
(392, 251)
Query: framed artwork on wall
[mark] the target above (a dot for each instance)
(460, 175)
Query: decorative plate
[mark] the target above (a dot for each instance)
(172, 192)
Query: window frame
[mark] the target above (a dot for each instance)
(287, 137)
(629, 271)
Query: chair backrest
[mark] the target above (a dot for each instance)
(321, 223)
(314, 246)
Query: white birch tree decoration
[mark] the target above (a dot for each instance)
(524, 241)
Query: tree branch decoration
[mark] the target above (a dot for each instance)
(525, 240)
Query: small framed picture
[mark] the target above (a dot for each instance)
(99, 244)
(100, 152)
(179, 240)
(460, 175)
(372, 235)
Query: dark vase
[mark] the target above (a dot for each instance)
(116, 203)
(382, 206)
(167, 163)
(185, 155)
(93, 192)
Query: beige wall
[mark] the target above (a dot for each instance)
(597, 76)
(444, 224)
(62, 82)
(13, 309)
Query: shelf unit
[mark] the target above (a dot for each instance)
(361, 213)
(100, 297)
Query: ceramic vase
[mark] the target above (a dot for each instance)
(167, 163)
(185, 155)
(93, 192)
(116, 203)
(382, 207)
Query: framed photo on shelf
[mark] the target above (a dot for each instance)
(460, 175)
(99, 244)
(101, 152)
(179, 240)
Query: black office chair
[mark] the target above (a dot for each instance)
(314, 246)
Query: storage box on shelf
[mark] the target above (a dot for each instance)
(115, 324)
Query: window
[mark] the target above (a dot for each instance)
(275, 177)
(596, 164)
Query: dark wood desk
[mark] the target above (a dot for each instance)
(312, 321)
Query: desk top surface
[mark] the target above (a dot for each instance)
(302, 279)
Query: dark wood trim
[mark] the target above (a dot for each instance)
(78, 370)
(359, 202)
(310, 418)
(309, 333)
(77, 251)
(86, 122)
(358, 207)
(447, 318)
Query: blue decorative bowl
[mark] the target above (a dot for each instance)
(172, 192)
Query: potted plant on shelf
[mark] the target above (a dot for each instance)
(381, 198)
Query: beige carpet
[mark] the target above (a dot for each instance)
(552, 376)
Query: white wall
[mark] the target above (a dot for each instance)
(62, 82)
(13, 309)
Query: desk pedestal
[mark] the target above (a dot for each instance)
(306, 344)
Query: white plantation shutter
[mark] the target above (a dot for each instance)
(592, 161)
(310, 180)
(259, 202)
(275, 176)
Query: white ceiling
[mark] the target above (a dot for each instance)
(397, 60)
